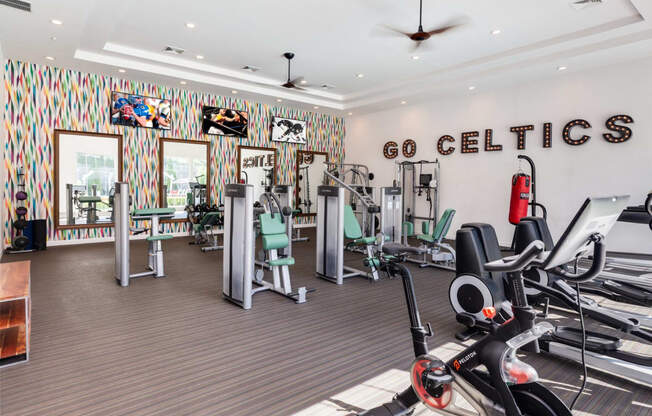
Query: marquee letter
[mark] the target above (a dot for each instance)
(440, 145)
(568, 127)
(625, 132)
(521, 131)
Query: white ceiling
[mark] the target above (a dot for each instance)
(333, 42)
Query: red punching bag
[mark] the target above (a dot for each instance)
(520, 198)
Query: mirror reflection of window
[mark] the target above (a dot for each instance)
(310, 174)
(184, 175)
(87, 167)
(257, 167)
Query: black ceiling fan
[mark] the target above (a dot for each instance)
(291, 83)
(422, 35)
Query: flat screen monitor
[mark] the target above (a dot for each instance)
(596, 216)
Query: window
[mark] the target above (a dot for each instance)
(184, 174)
(87, 165)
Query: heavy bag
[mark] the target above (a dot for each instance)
(520, 197)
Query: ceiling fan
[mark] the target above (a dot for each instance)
(580, 4)
(421, 35)
(292, 83)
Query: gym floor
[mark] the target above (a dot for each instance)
(173, 346)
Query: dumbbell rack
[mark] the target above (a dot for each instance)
(19, 240)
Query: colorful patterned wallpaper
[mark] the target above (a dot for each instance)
(41, 99)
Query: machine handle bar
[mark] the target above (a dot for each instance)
(518, 262)
(599, 259)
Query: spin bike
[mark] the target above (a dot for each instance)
(509, 387)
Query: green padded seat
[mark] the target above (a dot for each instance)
(154, 211)
(88, 199)
(364, 241)
(285, 261)
(426, 238)
(275, 241)
(160, 237)
(441, 229)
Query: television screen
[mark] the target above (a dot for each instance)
(288, 130)
(224, 121)
(140, 111)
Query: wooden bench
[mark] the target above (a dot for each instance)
(15, 311)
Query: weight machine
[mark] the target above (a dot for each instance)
(121, 202)
(357, 179)
(417, 180)
(241, 219)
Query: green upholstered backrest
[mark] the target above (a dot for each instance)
(352, 228)
(273, 231)
(271, 224)
(444, 224)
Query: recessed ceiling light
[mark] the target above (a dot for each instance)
(183, 82)
(350, 114)
(415, 57)
(403, 102)
(53, 38)
(50, 58)
(200, 56)
(303, 81)
(472, 87)
(279, 100)
(190, 25)
(56, 22)
(360, 75)
(234, 92)
(316, 107)
(562, 68)
(122, 71)
(496, 32)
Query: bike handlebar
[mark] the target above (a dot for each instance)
(518, 262)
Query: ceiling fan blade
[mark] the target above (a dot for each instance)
(450, 25)
(443, 29)
(384, 30)
(297, 88)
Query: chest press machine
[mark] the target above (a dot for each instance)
(335, 223)
(239, 274)
(155, 266)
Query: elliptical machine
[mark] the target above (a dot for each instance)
(509, 387)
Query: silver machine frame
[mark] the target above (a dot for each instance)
(155, 266)
(330, 237)
(238, 266)
(391, 213)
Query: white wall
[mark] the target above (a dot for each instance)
(478, 185)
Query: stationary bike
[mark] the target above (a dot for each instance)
(510, 386)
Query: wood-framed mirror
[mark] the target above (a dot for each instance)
(86, 167)
(257, 166)
(309, 175)
(184, 175)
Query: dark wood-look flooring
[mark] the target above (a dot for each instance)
(173, 346)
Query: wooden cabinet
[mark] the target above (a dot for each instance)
(15, 312)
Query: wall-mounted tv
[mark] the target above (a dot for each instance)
(140, 111)
(224, 121)
(288, 130)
